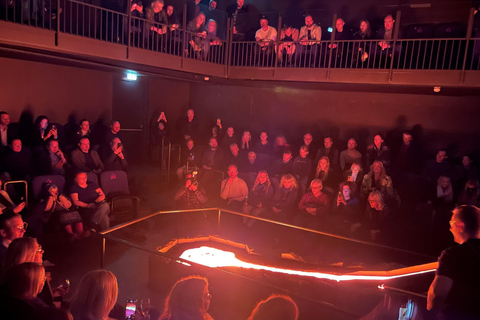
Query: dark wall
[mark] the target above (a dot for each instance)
(293, 112)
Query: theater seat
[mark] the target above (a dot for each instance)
(123, 206)
(419, 31)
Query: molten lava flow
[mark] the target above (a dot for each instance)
(215, 258)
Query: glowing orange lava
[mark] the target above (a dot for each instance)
(215, 258)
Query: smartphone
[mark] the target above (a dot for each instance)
(130, 309)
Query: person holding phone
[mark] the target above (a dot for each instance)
(113, 157)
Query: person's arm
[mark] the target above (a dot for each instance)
(180, 193)
(77, 202)
(244, 190)
(225, 189)
(201, 195)
(438, 291)
(101, 195)
(50, 202)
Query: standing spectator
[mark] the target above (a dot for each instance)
(309, 42)
(91, 202)
(259, 197)
(378, 151)
(454, 292)
(330, 151)
(96, 296)
(238, 12)
(188, 127)
(188, 299)
(11, 228)
(86, 160)
(350, 155)
(265, 37)
(234, 190)
(114, 156)
(157, 24)
(314, 206)
(285, 198)
(385, 48)
(302, 167)
(340, 49)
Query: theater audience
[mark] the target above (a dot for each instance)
(347, 211)
(265, 37)
(189, 158)
(90, 200)
(11, 227)
(362, 48)
(85, 159)
(377, 220)
(259, 197)
(17, 161)
(233, 190)
(96, 296)
(251, 165)
(44, 131)
(6, 203)
(6, 134)
(239, 13)
(377, 180)
(275, 307)
(378, 151)
(444, 194)
(213, 157)
(234, 157)
(314, 206)
(263, 146)
(330, 151)
(113, 132)
(309, 41)
(287, 47)
(437, 167)
(191, 195)
(350, 155)
(113, 158)
(246, 140)
(229, 138)
(52, 161)
(189, 298)
(464, 172)
(471, 194)
(84, 130)
(302, 167)
(355, 174)
(188, 128)
(157, 18)
(285, 198)
(311, 146)
(198, 41)
(283, 166)
(327, 175)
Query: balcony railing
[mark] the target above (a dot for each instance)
(86, 20)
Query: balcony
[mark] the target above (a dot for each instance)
(77, 33)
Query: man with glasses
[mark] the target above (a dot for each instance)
(11, 228)
(455, 291)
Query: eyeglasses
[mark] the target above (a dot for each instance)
(23, 227)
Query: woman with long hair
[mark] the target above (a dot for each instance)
(327, 175)
(246, 138)
(377, 179)
(96, 296)
(259, 197)
(377, 219)
(285, 198)
(188, 299)
(277, 307)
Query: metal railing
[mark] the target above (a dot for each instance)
(86, 20)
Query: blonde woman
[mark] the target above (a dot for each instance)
(189, 299)
(326, 174)
(246, 138)
(285, 198)
(259, 197)
(377, 179)
(96, 296)
(377, 218)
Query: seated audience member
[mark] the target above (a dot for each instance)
(188, 299)
(287, 47)
(378, 151)
(19, 300)
(53, 161)
(354, 174)
(213, 157)
(188, 127)
(114, 157)
(197, 36)
(464, 172)
(17, 161)
(229, 138)
(96, 296)
(350, 155)
(90, 200)
(259, 198)
(453, 294)
(377, 220)
(265, 37)
(44, 131)
(362, 48)
(283, 204)
(327, 175)
(302, 167)
(84, 130)
(6, 132)
(377, 179)
(246, 141)
(189, 158)
(191, 195)
(251, 165)
(436, 168)
(314, 206)
(59, 208)
(234, 157)
(347, 212)
(309, 42)
(11, 227)
(113, 132)
(280, 145)
(85, 159)
(330, 151)
(471, 194)
(283, 166)
(386, 35)
(6, 203)
(275, 307)
(409, 157)
(339, 49)
(263, 146)
(233, 189)
(309, 143)
(444, 194)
